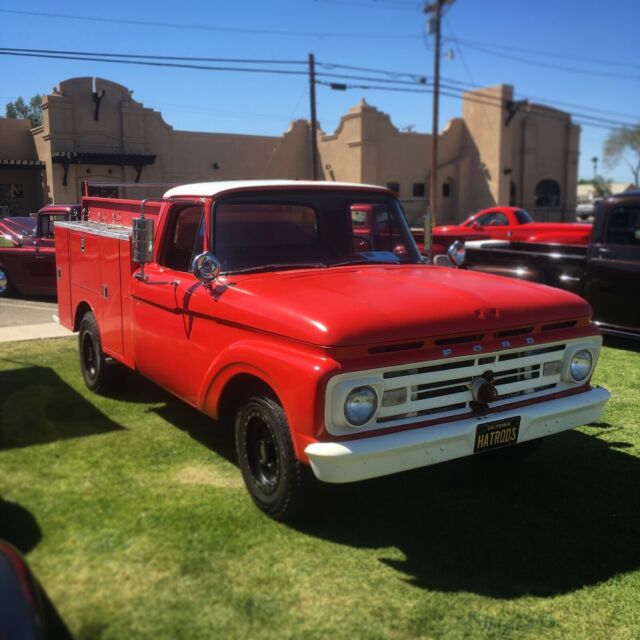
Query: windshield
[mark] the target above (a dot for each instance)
(309, 229)
(523, 217)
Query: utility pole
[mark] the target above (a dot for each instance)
(314, 121)
(435, 8)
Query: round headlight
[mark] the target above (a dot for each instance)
(360, 406)
(580, 365)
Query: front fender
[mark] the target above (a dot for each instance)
(297, 374)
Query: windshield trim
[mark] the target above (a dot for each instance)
(413, 253)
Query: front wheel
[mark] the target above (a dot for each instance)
(271, 472)
(97, 373)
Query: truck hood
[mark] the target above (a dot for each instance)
(369, 304)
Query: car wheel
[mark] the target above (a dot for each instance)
(271, 472)
(98, 374)
(5, 284)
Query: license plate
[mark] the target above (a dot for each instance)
(496, 434)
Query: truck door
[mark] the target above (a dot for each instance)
(613, 270)
(162, 318)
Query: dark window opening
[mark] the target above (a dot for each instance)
(547, 194)
(446, 189)
(418, 189)
(394, 186)
(513, 193)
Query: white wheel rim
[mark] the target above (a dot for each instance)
(4, 282)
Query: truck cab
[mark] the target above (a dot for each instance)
(27, 259)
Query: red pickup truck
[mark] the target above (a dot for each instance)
(256, 303)
(515, 224)
(27, 255)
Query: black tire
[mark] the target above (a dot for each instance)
(6, 288)
(272, 474)
(98, 374)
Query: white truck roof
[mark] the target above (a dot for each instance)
(209, 189)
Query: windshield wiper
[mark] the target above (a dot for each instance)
(280, 266)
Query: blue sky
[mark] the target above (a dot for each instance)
(581, 53)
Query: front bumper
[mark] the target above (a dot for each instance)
(351, 460)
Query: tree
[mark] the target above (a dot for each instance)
(624, 144)
(601, 186)
(32, 111)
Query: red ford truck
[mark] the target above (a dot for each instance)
(258, 303)
(27, 257)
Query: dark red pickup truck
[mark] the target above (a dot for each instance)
(27, 253)
(606, 272)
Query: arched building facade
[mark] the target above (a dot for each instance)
(500, 151)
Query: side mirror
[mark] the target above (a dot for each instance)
(457, 253)
(142, 240)
(206, 267)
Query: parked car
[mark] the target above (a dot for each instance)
(371, 231)
(254, 302)
(606, 272)
(514, 223)
(27, 259)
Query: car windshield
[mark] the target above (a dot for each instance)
(279, 230)
(523, 217)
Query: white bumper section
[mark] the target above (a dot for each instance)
(351, 460)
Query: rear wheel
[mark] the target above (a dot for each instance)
(98, 374)
(271, 472)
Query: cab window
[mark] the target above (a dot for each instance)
(185, 239)
(495, 219)
(624, 226)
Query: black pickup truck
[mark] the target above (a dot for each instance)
(606, 272)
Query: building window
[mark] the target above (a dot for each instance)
(547, 194)
(418, 190)
(513, 193)
(446, 189)
(394, 186)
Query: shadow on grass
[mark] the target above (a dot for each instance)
(37, 407)
(567, 517)
(625, 344)
(20, 529)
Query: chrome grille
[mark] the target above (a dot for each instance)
(444, 388)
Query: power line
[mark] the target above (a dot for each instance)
(548, 65)
(399, 85)
(148, 63)
(549, 54)
(204, 27)
(157, 57)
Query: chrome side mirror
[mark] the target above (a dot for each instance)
(206, 267)
(142, 240)
(457, 253)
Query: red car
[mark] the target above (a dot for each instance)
(515, 224)
(27, 253)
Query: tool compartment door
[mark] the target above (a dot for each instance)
(110, 320)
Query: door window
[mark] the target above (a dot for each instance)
(624, 226)
(185, 239)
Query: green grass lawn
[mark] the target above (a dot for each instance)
(132, 513)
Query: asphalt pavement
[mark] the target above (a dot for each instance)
(29, 319)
